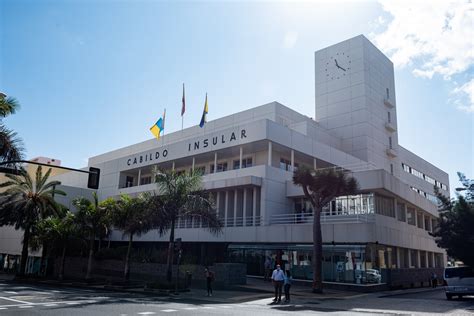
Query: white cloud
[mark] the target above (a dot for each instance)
(289, 41)
(432, 37)
(466, 91)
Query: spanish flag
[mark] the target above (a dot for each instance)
(204, 113)
(157, 128)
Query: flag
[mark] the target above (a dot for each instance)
(204, 113)
(183, 100)
(157, 128)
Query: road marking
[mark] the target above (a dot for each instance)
(50, 305)
(25, 306)
(13, 300)
(225, 306)
(208, 307)
(72, 303)
(10, 292)
(190, 308)
(169, 310)
(146, 313)
(1, 308)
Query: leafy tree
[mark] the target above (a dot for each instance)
(320, 187)
(11, 147)
(92, 218)
(131, 215)
(54, 233)
(25, 202)
(181, 195)
(454, 231)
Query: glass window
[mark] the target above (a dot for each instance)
(401, 216)
(411, 216)
(129, 181)
(285, 164)
(145, 180)
(222, 166)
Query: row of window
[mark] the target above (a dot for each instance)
(423, 176)
(430, 197)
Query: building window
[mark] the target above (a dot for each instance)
(390, 142)
(246, 163)
(391, 168)
(401, 216)
(129, 181)
(145, 180)
(384, 206)
(411, 216)
(389, 118)
(222, 166)
(423, 176)
(285, 164)
(388, 93)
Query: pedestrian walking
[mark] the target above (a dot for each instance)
(278, 276)
(209, 280)
(268, 268)
(287, 285)
(434, 280)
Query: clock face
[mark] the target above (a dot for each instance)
(337, 66)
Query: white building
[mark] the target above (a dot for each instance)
(247, 159)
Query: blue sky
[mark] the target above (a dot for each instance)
(93, 76)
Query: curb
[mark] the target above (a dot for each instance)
(410, 291)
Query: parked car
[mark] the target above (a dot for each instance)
(459, 281)
(372, 276)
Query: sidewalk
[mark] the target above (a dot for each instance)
(259, 285)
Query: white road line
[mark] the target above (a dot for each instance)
(50, 305)
(25, 306)
(146, 313)
(1, 308)
(190, 308)
(225, 306)
(169, 310)
(14, 300)
(208, 307)
(10, 292)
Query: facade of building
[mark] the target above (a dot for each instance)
(248, 159)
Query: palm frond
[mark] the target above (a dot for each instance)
(11, 146)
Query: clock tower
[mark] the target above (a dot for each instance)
(355, 100)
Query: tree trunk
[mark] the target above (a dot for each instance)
(317, 252)
(61, 264)
(42, 260)
(100, 244)
(108, 242)
(127, 259)
(91, 253)
(169, 259)
(24, 252)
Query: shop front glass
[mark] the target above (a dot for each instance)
(358, 264)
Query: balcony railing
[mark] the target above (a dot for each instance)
(307, 218)
(196, 222)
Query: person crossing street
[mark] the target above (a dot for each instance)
(278, 276)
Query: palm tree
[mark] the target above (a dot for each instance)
(25, 202)
(92, 217)
(55, 233)
(11, 146)
(181, 195)
(131, 216)
(320, 187)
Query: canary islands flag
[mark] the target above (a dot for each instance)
(204, 113)
(157, 128)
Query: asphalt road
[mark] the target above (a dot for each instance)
(16, 299)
